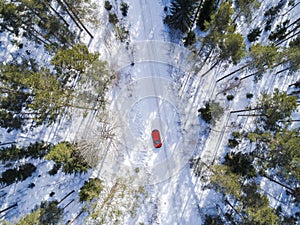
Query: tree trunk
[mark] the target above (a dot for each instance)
(245, 110)
(237, 70)
(8, 143)
(291, 8)
(67, 195)
(237, 212)
(279, 183)
(197, 12)
(279, 43)
(254, 115)
(57, 13)
(213, 66)
(75, 14)
(67, 11)
(9, 207)
(252, 74)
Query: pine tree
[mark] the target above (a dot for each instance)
(275, 108)
(226, 182)
(232, 48)
(181, 17)
(73, 62)
(29, 95)
(67, 156)
(47, 213)
(90, 190)
(245, 8)
(205, 13)
(262, 57)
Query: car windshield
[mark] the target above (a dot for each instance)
(157, 142)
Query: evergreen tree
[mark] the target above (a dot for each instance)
(232, 48)
(279, 151)
(226, 182)
(46, 213)
(14, 153)
(91, 189)
(67, 156)
(276, 109)
(245, 8)
(181, 17)
(73, 62)
(29, 95)
(205, 13)
(17, 174)
(263, 56)
(240, 164)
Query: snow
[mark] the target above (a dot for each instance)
(158, 89)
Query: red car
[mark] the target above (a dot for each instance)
(156, 139)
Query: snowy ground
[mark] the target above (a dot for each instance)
(157, 89)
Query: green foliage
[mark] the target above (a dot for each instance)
(233, 48)
(107, 5)
(124, 8)
(211, 112)
(14, 153)
(257, 207)
(254, 34)
(205, 14)
(91, 189)
(279, 33)
(33, 20)
(225, 181)
(113, 18)
(39, 92)
(17, 174)
(240, 164)
(181, 16)
(282, 151)
(263, 56)
(213, 220)
(221, 21)
(190, 39)
(246, 7)
(275, 108)
(67, 156)
(74, 61)
(221, 37)
(291, 57)
(46, 213)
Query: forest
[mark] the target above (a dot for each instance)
(35, 94)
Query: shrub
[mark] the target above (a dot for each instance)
(230, 97)
(211, 112)
(249, 95)
(107, 5)
(113, 19)
(124, 8)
